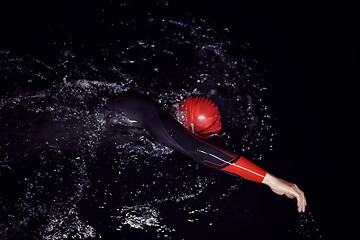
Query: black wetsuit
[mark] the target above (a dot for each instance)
(143, 112)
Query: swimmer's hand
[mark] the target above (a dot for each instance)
(282, 187)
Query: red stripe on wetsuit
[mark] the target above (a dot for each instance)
(246, 169)
(240, 166)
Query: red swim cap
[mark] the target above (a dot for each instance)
(201, 116)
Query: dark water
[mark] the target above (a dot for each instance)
(69, 172)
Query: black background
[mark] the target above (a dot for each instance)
(311, 54)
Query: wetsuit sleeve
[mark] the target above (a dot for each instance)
(223, 160)
(171, 133)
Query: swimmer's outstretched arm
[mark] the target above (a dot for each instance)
(220, 159)
(147, 114)
(282, 187)
(250, 171)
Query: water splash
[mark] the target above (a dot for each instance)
(57, 148)
(306, 227)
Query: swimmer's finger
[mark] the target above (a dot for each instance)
(300, 203)
(296, 192)
(304, 198)
(300, 197)
(304, 203)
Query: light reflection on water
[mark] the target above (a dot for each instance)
(58, 150)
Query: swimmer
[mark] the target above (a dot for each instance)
(199, 120)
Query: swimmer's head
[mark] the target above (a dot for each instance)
(201, 116)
